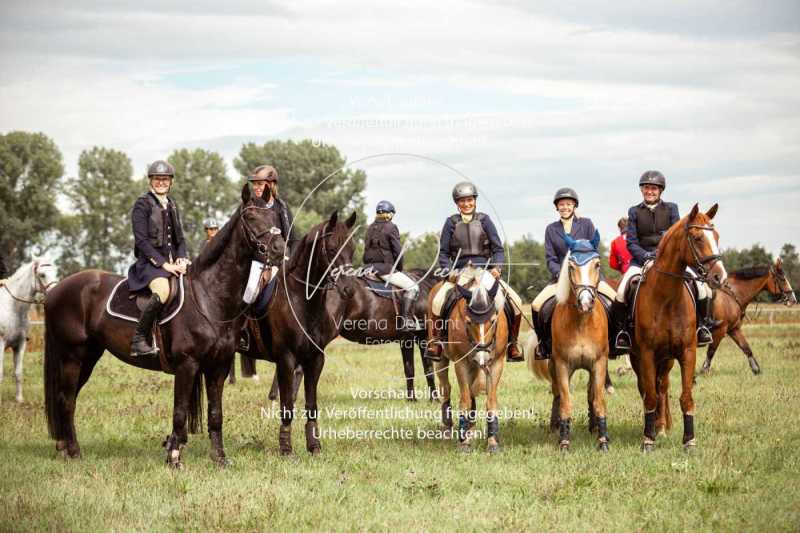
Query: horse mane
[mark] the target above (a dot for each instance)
(303, 248)
(750, 272)
(563, 286)
(18, 273)
(213, 248)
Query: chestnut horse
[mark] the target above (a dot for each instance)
(665, 320)
(199, 341)
(733, 298)
(580, 339)
(477, 337)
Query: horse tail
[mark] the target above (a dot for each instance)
(196, 405)
(52, 383)
(538, 367)
(248, 367)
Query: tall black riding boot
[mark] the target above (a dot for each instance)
(705, 322)
(513, 353)
(621, 341)
(140, 343)
(543, 347)
(409, 321)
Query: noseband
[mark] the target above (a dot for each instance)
(578, 288)
(259, 246)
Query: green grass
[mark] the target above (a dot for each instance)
(743, 476)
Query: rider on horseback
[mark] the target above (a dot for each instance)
(470, 248)
(266, 176)
(647, 223)
(569, 223)
(383, 255)
(159, 248)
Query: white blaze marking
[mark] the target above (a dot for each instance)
(715, 250)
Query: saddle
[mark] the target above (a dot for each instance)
(127, 305)
(632, 292)
(378, 286)
(455, 295)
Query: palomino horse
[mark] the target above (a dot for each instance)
(665, 320)
(18, 293)
(580, 340)
(198, 342)
(733, 298)
(371, 319)
(302, 319)
(477, 337)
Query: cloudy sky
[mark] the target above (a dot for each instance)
(522, 97)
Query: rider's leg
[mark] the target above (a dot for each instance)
(705, 306)
(513, 353)
(407, 320)
(619, 312)
(140, 343)
(542, 331)
(434, 348)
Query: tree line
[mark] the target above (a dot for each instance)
(83, 221)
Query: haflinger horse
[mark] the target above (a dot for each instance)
(580, 340)
(302, 317)
(24, 288)
(198, 342)
(477, 337)
(732, 299)
(665, 320)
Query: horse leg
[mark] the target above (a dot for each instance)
(663, 417)
(215, 382)
(647, 386)
(738, 337)
(465, 405)
(408, 369)
(285, 375)
(444, 392)
(19, 353)
(427, 366)
(592, 415)
(687, 363)
(609, 386)
(273, 390)
(562, 376)
(492, 421)
(231, 372)
(184, 384)
(599, 402)
(312, 368)
(556, 406)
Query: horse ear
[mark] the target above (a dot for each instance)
(778, 263)
(246, 193)
(713, 211)
(333, 220)
(569, 240)
(694, 212)
(351, 220)
(595, 239)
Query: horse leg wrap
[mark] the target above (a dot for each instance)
(564, 431)
(688, 428)
(493, 426)
(650, 425)
(463, 428)
(602, 429)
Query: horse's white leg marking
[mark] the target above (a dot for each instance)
(19, 353)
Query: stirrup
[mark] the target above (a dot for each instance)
(539, 354)
(519, 359)
(436, 358)
(704, 337)
(623, 341)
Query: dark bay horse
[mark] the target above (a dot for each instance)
(302, 319)
(732, 299)
(477, 338)
(200, 340)
(580, 340)
(370, 319)
(665, 320)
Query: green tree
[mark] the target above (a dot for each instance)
(30, 169)
(791, 265)
(421, 252)
(526, 278)
(302, 166)
(97, 233)
(201, 190)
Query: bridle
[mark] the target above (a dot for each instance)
(478, 346)
(578, 288)
(780, 278)
(700, 262)
(328, 281)
(39, 286)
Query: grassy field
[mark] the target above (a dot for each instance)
(743, 476)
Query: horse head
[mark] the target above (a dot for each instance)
(702, 249)
(261, 228)
(580, 272)
(778, 284)
(481, 320)
(45, 275)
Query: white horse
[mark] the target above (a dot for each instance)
(17, 294)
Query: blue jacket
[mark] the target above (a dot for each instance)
(635, 247)
(498, 255)
(555, 249)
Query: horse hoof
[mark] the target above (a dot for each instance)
(222, 462)
(493, 449)
(315, 449)
(661, 433)
(610, 390)
(465, 447)
(563, 446)
(648, 447)
(177, 465)
(754, 367)
(690, 446)
(603, 447)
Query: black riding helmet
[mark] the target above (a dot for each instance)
(160, 168)
(653, 177)
(565, 193)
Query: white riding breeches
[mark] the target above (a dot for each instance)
(487, 280)
(703, 290)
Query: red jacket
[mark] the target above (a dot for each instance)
(620, 257)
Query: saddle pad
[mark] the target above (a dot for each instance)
(380, 288)
(121, 303)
